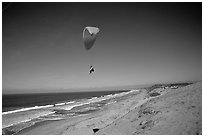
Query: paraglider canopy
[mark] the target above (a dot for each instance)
(89, 36)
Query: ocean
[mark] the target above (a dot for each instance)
(24, 110)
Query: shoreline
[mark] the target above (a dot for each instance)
(14, 122)
(145, 112)
(72, 121)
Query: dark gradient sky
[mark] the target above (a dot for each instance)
(138, 43)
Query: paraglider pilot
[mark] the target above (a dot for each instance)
(89, 37)
(91, 70)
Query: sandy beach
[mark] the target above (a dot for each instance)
(169, 111)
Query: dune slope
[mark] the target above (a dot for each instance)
(177, 111)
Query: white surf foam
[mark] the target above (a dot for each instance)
(14, 119)
(64, 103)
(36, 107)
(26, 109)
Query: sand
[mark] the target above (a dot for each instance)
(172, 111)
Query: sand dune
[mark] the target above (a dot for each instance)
(171, 111)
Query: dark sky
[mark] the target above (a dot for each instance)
(138, 43)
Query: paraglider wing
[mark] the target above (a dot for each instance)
(89, 36)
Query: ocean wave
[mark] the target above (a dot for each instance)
(59, 104)
(70, 102)
(76, 105)
(93, 98)
(64, 103)
(26, 109)
(22, 119)
(36, 107)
